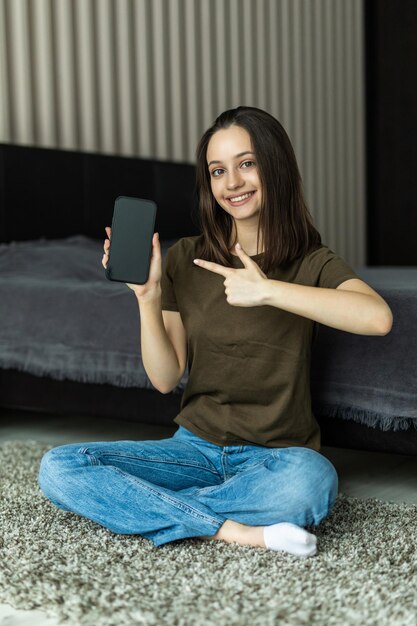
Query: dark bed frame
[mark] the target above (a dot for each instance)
(55, 194)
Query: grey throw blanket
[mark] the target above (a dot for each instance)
(372, 379)
(60, 317)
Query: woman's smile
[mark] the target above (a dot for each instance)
(240, 199)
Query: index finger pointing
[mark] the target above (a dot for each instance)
(213, 267)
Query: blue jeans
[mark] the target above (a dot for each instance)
(185, 486)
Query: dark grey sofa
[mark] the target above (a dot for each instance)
(69, 342)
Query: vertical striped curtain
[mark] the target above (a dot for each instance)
(145, 78)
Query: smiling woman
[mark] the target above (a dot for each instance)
(245, 464)
(247, 151)
(236, 183)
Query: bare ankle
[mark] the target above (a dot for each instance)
(235, 532)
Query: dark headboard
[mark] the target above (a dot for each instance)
(57, 193)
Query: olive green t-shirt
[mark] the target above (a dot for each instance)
(249, 367)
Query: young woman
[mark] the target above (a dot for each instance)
(240, 303)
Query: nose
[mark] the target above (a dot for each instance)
(234, 179)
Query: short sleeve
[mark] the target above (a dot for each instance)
(168, 299)
(327, 269)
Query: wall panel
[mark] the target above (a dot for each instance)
(146, 77)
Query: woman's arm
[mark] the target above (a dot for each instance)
(163, 340)
(159, 356)
(353, 306)
(359, 312)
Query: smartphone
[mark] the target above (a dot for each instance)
(132, 231)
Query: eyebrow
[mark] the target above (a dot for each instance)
(236, 157)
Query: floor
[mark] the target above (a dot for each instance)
(390, 477)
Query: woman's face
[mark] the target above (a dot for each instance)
(233, 173)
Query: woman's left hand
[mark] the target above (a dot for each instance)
(243, 287)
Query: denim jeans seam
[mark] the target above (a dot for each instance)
(252, 466)
(181, 464)
(324, 513)
(150, 459)
(180, 505)
(90, 457)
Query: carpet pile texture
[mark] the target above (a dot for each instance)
(365, 570)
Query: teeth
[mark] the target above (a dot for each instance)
(240, 198)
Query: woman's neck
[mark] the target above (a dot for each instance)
(248, 245)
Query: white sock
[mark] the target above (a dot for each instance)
(290, 538)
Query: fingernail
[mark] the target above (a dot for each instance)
(238, 246)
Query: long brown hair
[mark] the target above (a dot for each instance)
(286, 224)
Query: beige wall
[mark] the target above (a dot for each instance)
(146, 77)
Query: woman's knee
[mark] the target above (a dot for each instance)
(51, 475)
(317, 484)
(322, 485)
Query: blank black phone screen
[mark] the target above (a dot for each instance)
(131, 240)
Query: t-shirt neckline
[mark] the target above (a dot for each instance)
(254, 257)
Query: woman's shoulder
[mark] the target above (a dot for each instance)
(180, 253)
(318, 250)
(326, 267)
(314, 255)
(314, 259)
(320, 253)
(185, 246)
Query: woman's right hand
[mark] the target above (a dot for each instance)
(153, 285)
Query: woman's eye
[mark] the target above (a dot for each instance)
(213, 173)
(249, 163)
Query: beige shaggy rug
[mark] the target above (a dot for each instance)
(365, 571)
